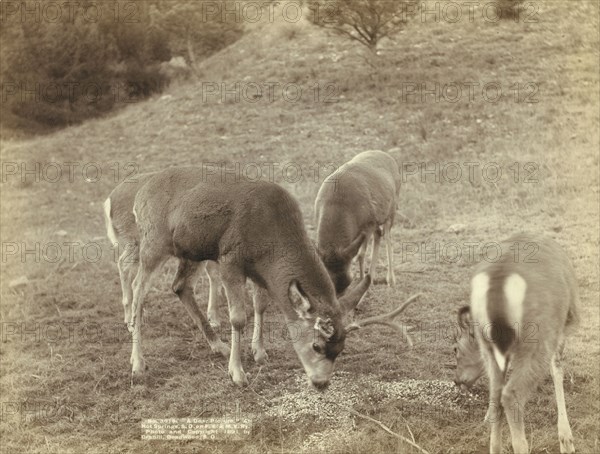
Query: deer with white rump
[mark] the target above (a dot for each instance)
(249, 228)
(356, 202)
(514, 330)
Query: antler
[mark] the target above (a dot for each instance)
(386, 319)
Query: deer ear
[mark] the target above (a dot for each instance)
(351, 299)
(464, 317)
(299, 301)
(351, 250)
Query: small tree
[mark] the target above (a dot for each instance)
(365, 21)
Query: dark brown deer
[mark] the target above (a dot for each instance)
(254, 230)
(521, 307)
(356, 202)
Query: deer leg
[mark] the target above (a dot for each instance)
(141, 284)
(391, 278)
(494, 413)
(261, 301)
(127, 265)
(565, 436)
(514, 398)
(375, 252)
(361, 256)
(235, 290)
(183, 286)
(215, 290)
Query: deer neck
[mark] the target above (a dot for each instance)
(305, 267)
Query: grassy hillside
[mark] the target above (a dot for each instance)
(65, 374)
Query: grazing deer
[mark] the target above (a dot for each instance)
(254, 230)
(356, 202)
(521, 307)
(122, 232)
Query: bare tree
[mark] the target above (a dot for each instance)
(365, 21)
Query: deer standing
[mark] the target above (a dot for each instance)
(254, 230)
(356, 202)
(521, 307)
(122, 232)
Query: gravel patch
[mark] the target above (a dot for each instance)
(435, 393)
(324, 406)
(347, 390)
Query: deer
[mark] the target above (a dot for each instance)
(255, 231)
(122, 232)
(522, 306)
(356, 202)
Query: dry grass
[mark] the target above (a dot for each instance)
(85, 378)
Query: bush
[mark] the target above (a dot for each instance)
(364, 21)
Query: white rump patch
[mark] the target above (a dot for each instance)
(514, 289)
(110, 231)
(480, 285)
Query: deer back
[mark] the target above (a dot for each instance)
(359, 196)
(255, 225)
(527, 297)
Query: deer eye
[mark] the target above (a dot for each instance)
(317, 347)
(455, 350)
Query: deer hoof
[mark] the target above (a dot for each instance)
(566, 444)
(238, 377)
(260, 356)
(214, 322)
(139, 367)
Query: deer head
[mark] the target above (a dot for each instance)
(469, 364)
(319, 338)
(338, 261)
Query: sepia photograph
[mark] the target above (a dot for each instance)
(299, 226)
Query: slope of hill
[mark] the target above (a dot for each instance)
(324, 105)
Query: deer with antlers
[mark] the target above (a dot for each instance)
(356, 202)
(255, 231)
(521, 307)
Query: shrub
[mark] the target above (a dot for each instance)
(363, 21)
